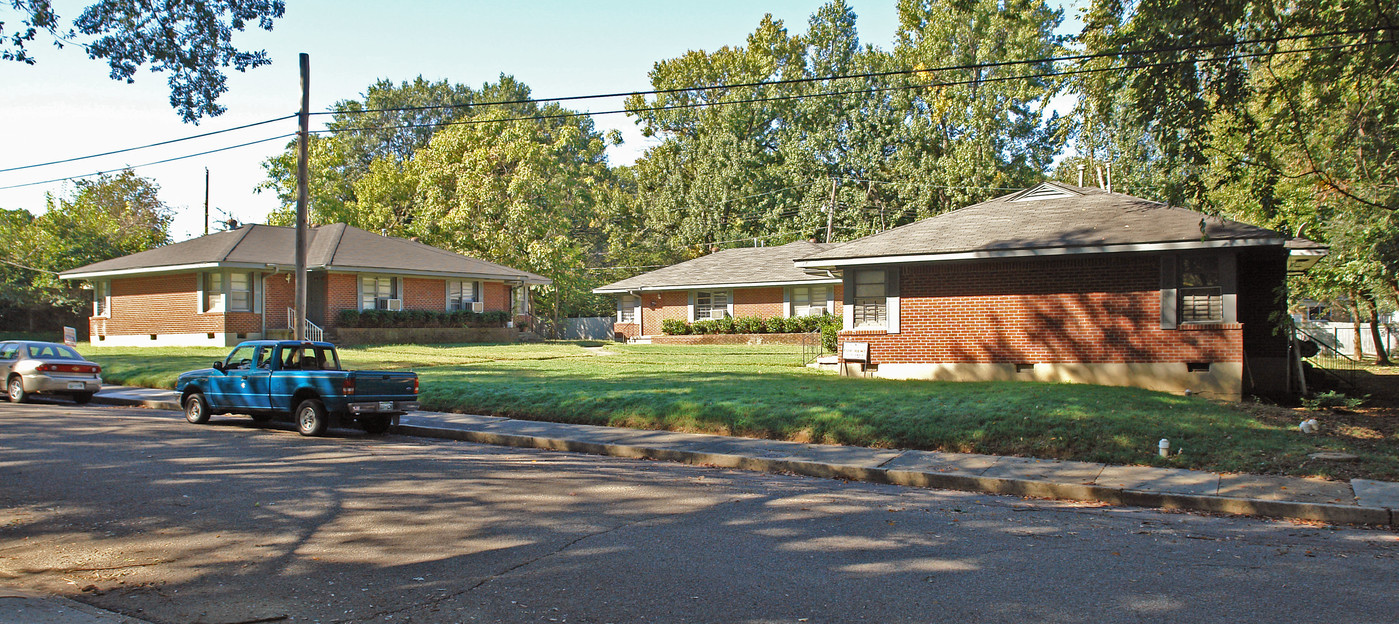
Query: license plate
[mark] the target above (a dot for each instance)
(386, 406)
(76, 385)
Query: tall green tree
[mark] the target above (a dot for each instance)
(191, 40)
(103, 218)
(754, 160)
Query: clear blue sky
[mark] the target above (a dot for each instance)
(66, 106)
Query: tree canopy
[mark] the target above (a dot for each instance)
(190, 40)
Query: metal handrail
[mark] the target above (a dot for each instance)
(310, 331)
(1325, 349)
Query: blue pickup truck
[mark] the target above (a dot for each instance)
(269, 378)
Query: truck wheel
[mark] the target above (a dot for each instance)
(311, 418)
(196, 408)
(375, 424)
(16, 391)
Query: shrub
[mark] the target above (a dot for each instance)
(1332, 399)
(830, 326)
(495, 318)
(675, 327)
(347, 318)
(749, 325)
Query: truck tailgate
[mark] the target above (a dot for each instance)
(384, 383)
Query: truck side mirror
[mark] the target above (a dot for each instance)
(218, 365)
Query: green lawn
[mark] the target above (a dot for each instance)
(765, 392)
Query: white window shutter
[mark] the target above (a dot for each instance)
(1168, 292)
(848, 299)
(1229, 283)
(787, 302)
(891, 294)
(692, 306)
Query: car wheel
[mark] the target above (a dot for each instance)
(261, 418)
(196, 409)
(82, 398)
(15, 390)
(311, 418)
(375, 424)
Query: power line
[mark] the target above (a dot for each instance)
(16, 264)
(769, 98)
(861, 91)
(156, 162)
(149, 145)
(884, 74)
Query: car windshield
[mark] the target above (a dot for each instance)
(53, 351)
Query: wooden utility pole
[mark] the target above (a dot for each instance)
(831, 209)
(302, 193)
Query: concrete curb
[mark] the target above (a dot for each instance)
(967, 482)
(150, 403)
(1292, 510)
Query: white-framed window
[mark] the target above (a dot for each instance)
(212, 292)
(711, 304)
(376, 291)
(811, 300)
(1201, 293)
(102, 298)
(626, 308)
(240, 292)
(461, 294)
(871, 298)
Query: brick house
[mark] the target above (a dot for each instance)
(749, 281)
(219, 289)
(1071, 284)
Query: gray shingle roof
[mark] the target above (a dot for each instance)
(337, 246)
(1061, 216)
(729, 267)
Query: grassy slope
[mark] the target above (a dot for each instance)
(765, 392)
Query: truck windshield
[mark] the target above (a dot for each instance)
(310, 358)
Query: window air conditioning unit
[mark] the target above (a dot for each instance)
(478, 306)
(394, 305)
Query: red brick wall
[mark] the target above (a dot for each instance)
(341, 293)
(670, 304)
(159, 304)
(424, 294)
(279, 294)
(764, 302)
(1059, 310)
(625, 330)
(496, 296)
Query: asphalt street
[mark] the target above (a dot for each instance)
(135, 511)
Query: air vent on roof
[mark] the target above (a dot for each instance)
(1043, 191)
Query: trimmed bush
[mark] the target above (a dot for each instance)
(828, 324)
(420, 318)
(675, 327)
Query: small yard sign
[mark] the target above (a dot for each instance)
(855, 352)
(70, 336)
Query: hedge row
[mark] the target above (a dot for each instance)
(421, 318)
(827, 324)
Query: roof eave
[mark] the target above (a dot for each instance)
(606, 290)
(831, 263)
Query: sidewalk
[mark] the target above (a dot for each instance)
(1361, 501)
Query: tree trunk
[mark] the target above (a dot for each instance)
(1381, 354)
(1359, 350)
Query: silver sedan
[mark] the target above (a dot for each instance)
(49, 368)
